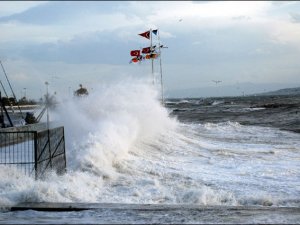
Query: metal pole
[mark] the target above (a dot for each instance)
(161, 77)
(4, 89)
(11, 107)
(152, 66)
(11, 88)
(65, 157)
(24, 92)
(47, 107)
(6, 113)
(47, 104)
(36, 156)
(1, 113)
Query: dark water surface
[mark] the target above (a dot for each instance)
(272, 111)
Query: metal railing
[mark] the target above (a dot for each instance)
(34, 152)
(17, 149)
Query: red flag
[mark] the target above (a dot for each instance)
(146, 34)
(135, 53)
(146, 50)
(135, 60)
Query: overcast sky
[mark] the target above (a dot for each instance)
(70, 43)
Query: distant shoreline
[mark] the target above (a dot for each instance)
(24, 107)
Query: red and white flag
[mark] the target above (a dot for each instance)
(135, 53)
(146, 50)
(146, 34)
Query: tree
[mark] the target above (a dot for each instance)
(8, 101)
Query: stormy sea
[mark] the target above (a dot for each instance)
(132, 160)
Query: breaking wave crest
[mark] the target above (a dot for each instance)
(122, 146)
(100, 130)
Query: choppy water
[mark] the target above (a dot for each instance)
(124, 147)
(270, 111)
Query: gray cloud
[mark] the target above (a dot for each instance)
(100, 47)
(295, 17)
(231, 45)
(199, 49)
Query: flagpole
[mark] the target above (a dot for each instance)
(152, 68)
(161, 77)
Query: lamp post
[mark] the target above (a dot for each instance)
(24, 93)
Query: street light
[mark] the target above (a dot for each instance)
(24, 93)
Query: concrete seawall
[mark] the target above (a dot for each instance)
(172, 214)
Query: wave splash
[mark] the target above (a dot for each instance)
(100, 130)
(123, 147)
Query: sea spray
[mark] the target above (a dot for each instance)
(123, 147)
(100, 129)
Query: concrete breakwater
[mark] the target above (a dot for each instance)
(164, 213)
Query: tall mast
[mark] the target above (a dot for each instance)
(11, 89)
(2, 107)
(153, 54)
(161, 77)
(3, 89)
(152, 65)
(10, 105)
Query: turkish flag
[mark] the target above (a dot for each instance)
(146, 50)
(135, 53)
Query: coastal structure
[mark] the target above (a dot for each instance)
(29, 146)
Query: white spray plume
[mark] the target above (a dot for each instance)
(102, 127)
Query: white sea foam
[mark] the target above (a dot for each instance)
(217, 102)
(122, 146)
(103, 127)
